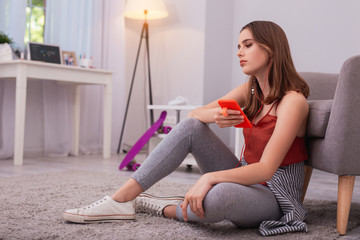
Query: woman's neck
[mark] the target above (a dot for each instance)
(264, 84)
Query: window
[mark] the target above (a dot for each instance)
(35, 21)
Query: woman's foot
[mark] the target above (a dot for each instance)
(104, 210)
(155, 205)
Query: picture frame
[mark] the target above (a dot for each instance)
(44, 52)
(69, 58)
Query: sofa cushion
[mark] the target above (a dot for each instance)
(318, 117)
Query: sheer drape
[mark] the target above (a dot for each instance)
(12, 22)
(74, 26)
(13, 19)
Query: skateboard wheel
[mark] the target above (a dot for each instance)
(160, 130)
(167, 129)
(135, 166)
(129, 167)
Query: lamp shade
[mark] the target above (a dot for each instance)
(136, 9)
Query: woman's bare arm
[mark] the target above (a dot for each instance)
(211, 112)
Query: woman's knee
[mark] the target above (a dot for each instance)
(191, 122)
(245, 206)
(193, 125)
(219, 197)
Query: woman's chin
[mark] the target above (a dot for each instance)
(247, 72)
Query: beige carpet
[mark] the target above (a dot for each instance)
(32, 205)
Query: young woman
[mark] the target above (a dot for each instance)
(264, 188)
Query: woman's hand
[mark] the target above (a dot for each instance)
(195, 196)
(233, 117)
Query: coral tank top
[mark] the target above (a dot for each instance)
(259, 137)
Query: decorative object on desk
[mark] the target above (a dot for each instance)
(5, 48)
(18, 52)
(85, 62)
(44, 52)
(179, 100)
(69, 58)
(143, 10)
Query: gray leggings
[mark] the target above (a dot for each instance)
(245, 206)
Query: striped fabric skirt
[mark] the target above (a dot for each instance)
(286, 185)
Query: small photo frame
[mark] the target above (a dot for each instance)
(69, 58)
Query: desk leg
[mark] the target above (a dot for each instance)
(20, 107)
(107, 118)
(77, 98)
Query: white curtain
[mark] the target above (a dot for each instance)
(13, 19)
(74, 25)
(93, 27)
(13, 23)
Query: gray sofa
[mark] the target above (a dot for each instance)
(333, 133)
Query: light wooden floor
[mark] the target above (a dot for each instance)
(323, 186)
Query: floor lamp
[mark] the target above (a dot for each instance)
(142, 9)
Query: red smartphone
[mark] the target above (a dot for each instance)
(232, 104)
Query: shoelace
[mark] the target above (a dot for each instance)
(149, 207)
(94, 203)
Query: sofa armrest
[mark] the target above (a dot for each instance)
(339, 151)
(318, 118)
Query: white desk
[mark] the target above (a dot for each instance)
(24, 70)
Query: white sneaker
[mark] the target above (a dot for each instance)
(104, 210)
(155, 205)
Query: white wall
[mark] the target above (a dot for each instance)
(219, 50)
(322, 33)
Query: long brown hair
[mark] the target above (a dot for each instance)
(282, 73)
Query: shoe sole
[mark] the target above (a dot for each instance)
(76, 218)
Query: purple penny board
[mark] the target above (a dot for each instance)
(143, 140)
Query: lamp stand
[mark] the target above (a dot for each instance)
(144, 34)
